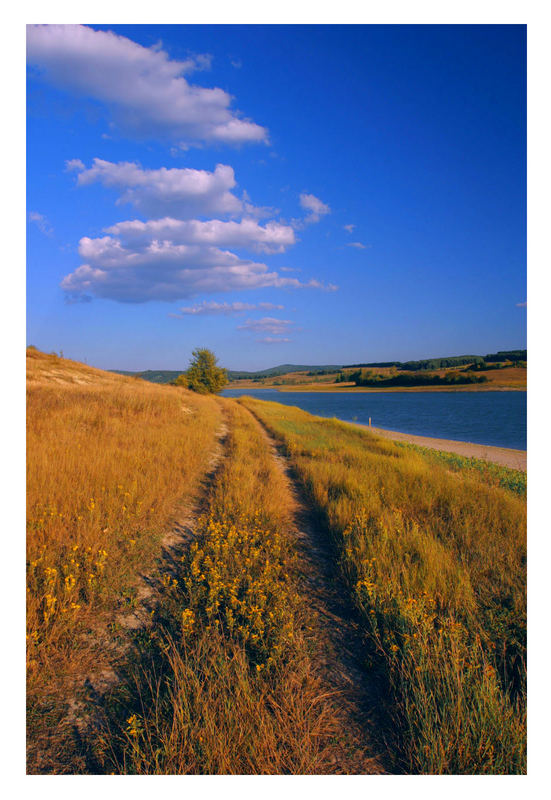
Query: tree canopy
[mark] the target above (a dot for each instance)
(203, 375)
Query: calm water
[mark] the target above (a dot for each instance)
(496, 418)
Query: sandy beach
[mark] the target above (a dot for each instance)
(514, 459)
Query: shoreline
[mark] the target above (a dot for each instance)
(336, 389)
(504, 456)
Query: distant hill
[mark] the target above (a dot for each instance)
(152, 375)
(283, 369)
(167, 375)
(449, 361)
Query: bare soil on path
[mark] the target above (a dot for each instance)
(363, 738)
(359, 692)
(505, 457)
(176, 538)
(86, 696)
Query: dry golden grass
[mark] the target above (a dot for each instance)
(108, 458)
(235, 691)
(510, 376)
(223, 682)
(436, 564)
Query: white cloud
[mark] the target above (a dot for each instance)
(174, 256)
(269, 238)
(144, 88)
(349, 228)
(314, 284)
(162, 270)
(315, 207)
(273, 339)
(41, 223)
(165, 192)
(267, 325)
(257, 211)
(358, 245)
(74, 165)
(270, 306)
(227, 309)
(198, 62)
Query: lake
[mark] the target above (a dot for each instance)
(493, 418)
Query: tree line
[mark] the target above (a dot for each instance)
(369, 378)
(447, 363)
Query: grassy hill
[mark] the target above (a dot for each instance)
(282, 369)
(167, 375)
(175, 613)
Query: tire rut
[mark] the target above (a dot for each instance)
(362, 693)
(85, 706)
(176, 539)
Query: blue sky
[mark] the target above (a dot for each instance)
(305, 194)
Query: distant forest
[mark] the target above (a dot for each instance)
(446, 363)
(368, 378)
(477, 363)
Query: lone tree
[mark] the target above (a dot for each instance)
(203, 374)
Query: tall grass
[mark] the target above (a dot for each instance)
(513, 479)
(235, 691)
(436, 565)
(108, 459)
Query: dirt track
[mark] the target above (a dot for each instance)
(514, 459)
(365, 742)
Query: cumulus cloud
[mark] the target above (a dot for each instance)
(41, 223)
(270, 238)
(165, 192)
(144, 88)
(314, 206)
(162, 270)
(169, 258)
(74, 164)
(349, 228)
(175, 256)
(267, 325)
(226, 309)
(357, 245)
